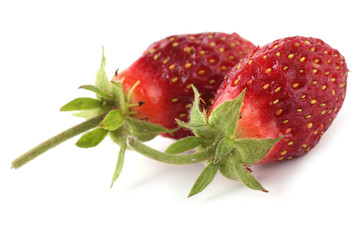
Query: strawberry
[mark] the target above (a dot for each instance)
(143, 100)
(170, 66)
(274, 105)
(294, 87)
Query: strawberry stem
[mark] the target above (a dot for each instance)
(141, 148)
(56, 140)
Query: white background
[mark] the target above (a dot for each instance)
(49, 48)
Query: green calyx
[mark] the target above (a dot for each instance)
(109, 113)
(215, 135)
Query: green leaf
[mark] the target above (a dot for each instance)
(196, 116)
(81, 104)
(252, 151)
(247, 178)
(205, 178)
(92, 138)
(145, 131)
(113, 120)
(95, 90)
(200, 129)
(119, 163)
(101, 80)
(118, 92)
(184, 145)
(224, 147)
(225, 117)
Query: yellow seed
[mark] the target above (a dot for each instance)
(285, 121)
(294, 85)
(211, 81)
(316, 132)
(310, 125)
(182, 114)
(333, 92)
(156, 56)
(302, 59)
(277, 89)
(223, 68)
(172, 66)
(308, 116)
(299, 110)
(307, 42)
(265, 56)
(212, 60)
(278, 54)
(278, 112)
(323, 87)
(301, 71)
(276, 46)
(303, 96)
(250, 62)
(316, 60)
(280, 158)
(333, 79)
(236, 81)
(238, 67)
(268, 70)
(174, 99)
(314, 82)
(232, 44)
(329, 61)
(166, 61)
(221, 49)
(342, 85)
(290, 157)
(175, 44)
(231, 57)
(202, 52)
(283, 152)
(290, 143)
(152, 50)
(323, 112)
(172, 39)
(276, 101)
(337, 67)
(187, 49)
(314, 71)
(307, 149)
(312, 101)
(285, 68)
(297, 44)
(189, 105)
(304, 145)
(291, 56)
(326, 73)
(189, 86)
(312, 49)
(325, 52)
(212, 44)
(322, 104)
(287, 130)
(188, 65)
(174, 79)
(240, 52)
(266, 86)
(201, 72)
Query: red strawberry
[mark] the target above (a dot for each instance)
(170, 66)
(144, 100)
(274, 105)
(294, 87)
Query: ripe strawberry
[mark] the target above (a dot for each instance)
(294, 87)
(170, 66)
(144, 100)
(274, 105)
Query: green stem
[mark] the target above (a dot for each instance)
(139, 147)
(56, 140)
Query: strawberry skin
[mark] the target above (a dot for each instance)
(170, 66)
(295, 87)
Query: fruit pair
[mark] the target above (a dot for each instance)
(274, 104)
